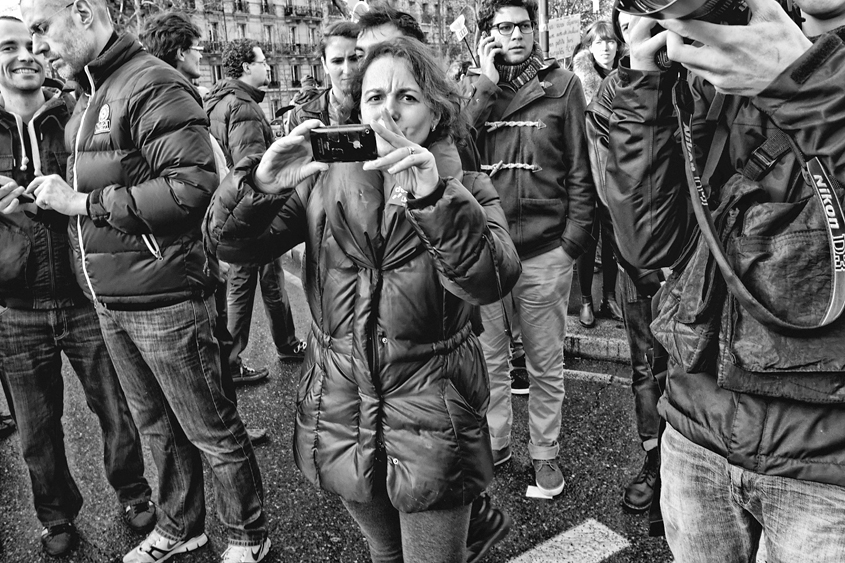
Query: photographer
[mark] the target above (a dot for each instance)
(754, 439)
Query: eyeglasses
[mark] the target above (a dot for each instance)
(506, 28)
(40, 29)
(197, 48)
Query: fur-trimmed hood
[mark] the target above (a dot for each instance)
(584, 66)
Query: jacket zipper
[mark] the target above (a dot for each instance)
(152, 246)
(76, 186)
(377, 340)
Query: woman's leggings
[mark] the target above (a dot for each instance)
(433, 536)
(585, 262)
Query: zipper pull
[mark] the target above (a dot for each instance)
(24, 164)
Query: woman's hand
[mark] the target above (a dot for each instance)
(289, 160)
(412, 166)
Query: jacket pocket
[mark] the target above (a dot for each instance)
(687, 324)
(15, 248)
(541, 220)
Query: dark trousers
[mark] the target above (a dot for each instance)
(637, 314)
(585, 262)
(31, 343)
(241, 296)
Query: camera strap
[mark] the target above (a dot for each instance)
(823, 187)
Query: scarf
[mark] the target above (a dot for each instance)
(516, 76)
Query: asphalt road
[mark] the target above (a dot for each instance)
(599, 453)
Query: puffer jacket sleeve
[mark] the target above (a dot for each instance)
(171, 131)
(464, 229)
(246, 226)
(245, 132)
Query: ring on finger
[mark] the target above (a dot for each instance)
(410, 151)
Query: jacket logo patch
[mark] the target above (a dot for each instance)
(103, 121)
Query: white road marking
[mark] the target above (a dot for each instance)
(590, 542)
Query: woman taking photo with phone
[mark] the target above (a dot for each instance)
(390, 406)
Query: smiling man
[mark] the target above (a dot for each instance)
(45, 312)
(530, 117)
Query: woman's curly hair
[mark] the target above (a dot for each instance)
(439, 93)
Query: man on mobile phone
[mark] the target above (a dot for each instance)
(754, 439)
(529, 114)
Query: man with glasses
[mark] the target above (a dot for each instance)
(142, 171)
(242, 129)
(529, 115)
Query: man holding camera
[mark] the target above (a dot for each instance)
(754, 412)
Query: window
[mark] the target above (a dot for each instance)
(268, 34)
(292, 36)
(274, 77)
(242, 30)
(297, 76)
(312, 36)
(216, 73)
(214, 32)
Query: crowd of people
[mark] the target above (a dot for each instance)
(138, 215)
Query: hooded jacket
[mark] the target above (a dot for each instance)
(393, 376)
(141, 151)
(768, 432)
(35, 267)
(536, 155)
(237, 121)
(584, 67)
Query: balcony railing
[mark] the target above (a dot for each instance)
(213, 46)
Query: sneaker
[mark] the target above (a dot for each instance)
(246, 553)
(157, 548)
(519, 381)
(487, 525)
(257, 436)
(295, 352)
(640, 491)
(141, 517)
(246, 374)
(501, 456)
(59, 539)
(548, 477)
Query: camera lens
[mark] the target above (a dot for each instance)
(715, 11)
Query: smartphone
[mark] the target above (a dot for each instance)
(344, 143)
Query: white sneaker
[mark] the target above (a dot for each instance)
(157, 548)
(246, 553)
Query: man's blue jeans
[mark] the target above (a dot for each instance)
(31, 343)
(714, 512)
(169, 366)
(241, 296)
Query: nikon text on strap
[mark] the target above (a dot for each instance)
(763, 159)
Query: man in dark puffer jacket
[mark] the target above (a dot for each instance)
(754, 439)
(44, 312)
(143, 172)
(241, 128)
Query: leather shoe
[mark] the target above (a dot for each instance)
(487, 525)
(587, 318)
(610, 308)
(639, 492)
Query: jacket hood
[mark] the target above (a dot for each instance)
(583, 66)
(235, 87)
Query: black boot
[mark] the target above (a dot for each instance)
(639, 492)
(587, 316)
(610, 308)
(487, 525)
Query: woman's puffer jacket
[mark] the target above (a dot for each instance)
(393, 374)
